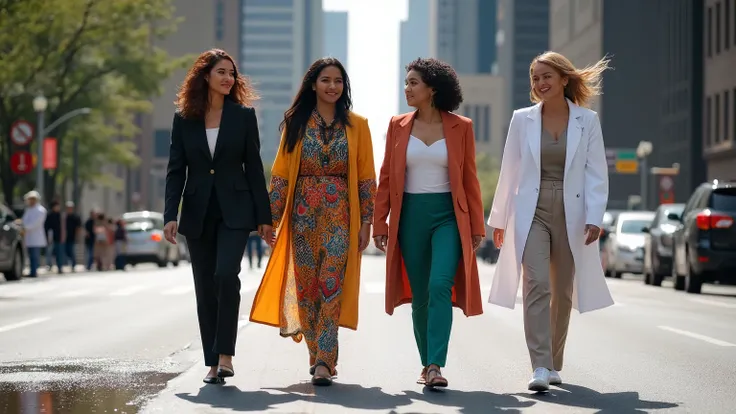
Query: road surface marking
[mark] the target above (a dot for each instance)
(22, 324)
(129, 290)
(374, 287)
(179, 290)
(713, 303)
(75, 293)
(704, 338)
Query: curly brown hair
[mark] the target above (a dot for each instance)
(192, 98)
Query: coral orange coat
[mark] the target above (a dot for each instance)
(460, 139)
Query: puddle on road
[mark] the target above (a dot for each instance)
(102, 386)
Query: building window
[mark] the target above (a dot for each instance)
(733, 112)
(708, 123)
(717, 121)
(161, 140)
(727, 24)
(487, 122)
(219, 20)
(726, 117)
(718, 28)
(710, 32)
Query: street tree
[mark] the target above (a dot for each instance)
(81, 53)
(488, 172)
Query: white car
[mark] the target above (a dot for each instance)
(146, 242)
(625, 244)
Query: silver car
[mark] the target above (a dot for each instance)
(146, 242)
(625, 244)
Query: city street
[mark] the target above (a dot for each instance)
(105, 341)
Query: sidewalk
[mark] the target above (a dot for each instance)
(378, 368)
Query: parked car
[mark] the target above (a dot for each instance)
(608, 218)
(625, 244)
(705, 241)
(12, 255)
(658, 245)
(146, 242)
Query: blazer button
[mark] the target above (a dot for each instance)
(212, 171)
(536, 190)
(578, 196)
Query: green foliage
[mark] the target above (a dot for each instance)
(82, 53)
(488, 172)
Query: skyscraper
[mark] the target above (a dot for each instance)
(280, 39)
(413, 42)
(335, 33)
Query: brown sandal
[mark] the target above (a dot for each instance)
(438, 380)
(422, 377)
(322, 379)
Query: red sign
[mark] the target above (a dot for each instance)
(21, 132)
(21, 162)
(49, 154)
(666, 190)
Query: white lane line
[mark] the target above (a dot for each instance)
(129, 290)
(713, 303)
(374, 287)
(704, 338)
(75, 293)
(179, 290)
(22, 324)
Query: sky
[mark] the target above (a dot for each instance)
(373, 60)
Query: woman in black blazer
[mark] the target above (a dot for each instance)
(215, 151)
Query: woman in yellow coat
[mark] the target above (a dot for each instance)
(323, 185)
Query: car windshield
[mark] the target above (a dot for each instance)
(724, 199)
(139, 225)
(634, 226)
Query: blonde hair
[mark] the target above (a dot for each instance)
(582, 84)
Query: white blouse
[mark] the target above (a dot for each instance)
(212, 139)
(426, 167)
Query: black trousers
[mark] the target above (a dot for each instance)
(215, 256)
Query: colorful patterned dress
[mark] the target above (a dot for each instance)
(321, 233)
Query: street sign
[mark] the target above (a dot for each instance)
(21, 162)
(666, 183)
(49, 154)
(622, 160)
(21, 132)
(627, 167)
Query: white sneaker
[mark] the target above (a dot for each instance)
(554, 378)
(540, 380)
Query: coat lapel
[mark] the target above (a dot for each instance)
(574, 134)
(398, 157)
(224, 124)
(453, 139)
(202, 138)
(534, 133)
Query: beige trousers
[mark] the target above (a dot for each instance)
(548, 280)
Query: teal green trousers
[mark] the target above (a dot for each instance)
(429, 241)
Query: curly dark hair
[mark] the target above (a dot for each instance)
(193, 96)
(441, 77)
(297, 116)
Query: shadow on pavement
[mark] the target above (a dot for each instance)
(612, 403)
(471, 401)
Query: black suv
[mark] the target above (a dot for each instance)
(705, 241)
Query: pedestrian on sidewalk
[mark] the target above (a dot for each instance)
(255, 243)
(215, 162)
(429, 192)
(322, 193)
(548, 208)
(73, 224)
(34, 230)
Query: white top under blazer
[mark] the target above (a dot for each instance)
(426, 167)
(212, 139)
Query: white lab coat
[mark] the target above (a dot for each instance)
(585, 192)
(34, 220)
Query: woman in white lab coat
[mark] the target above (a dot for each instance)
(547, 211)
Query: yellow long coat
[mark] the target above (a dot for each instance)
(275, 303)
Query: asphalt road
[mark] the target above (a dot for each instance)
(104, 341)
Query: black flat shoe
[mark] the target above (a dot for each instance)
(321, 381)
(213, 380)
(225, 372)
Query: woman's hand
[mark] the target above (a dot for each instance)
(592, 233)
(476, 242)
(498, 238)
(381, 242)
(266, 233)
(364, 236)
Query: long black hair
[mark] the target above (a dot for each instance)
(297, 116)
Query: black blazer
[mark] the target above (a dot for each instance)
(235, 171)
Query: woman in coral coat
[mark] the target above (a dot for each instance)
(429, 191)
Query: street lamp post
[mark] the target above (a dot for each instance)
(642, 152)
(40, 103)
